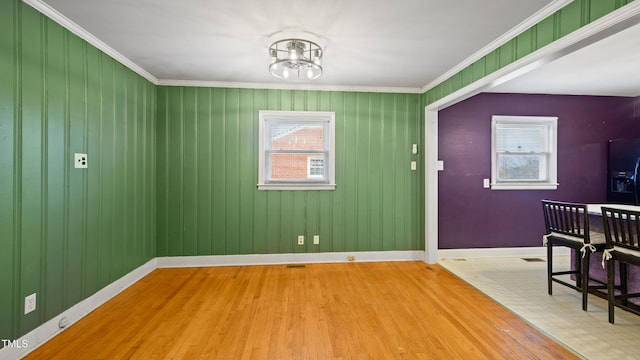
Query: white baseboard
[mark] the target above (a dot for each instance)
(274, 259)
(499, 252)
(43, 333)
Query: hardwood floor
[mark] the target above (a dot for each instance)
(387, 310)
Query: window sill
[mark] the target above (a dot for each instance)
(296, 186)
(524, 186)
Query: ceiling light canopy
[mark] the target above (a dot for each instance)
(295, 60)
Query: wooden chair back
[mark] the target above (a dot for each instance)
(566, 218)
(621, 227)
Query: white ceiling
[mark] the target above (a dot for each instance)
(402, 44)
(608, 67)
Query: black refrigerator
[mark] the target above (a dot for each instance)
(622, 182)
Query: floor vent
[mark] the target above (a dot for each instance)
(295, 266)
(533, 259)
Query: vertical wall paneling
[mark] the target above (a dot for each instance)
(10, 147)
(162, 175)
(190, 161)
(53, 163)
(34, 139)
(93, 237)
(247, 147)
(65, 233)
(76, 188)
(208, 203)
(219, 195)
(203, 137)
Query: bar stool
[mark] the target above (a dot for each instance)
(622, 232)
(567, 224)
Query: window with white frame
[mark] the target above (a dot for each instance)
(523, 152)
(296, 150)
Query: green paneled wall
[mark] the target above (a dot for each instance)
(65, 233)
(564, 21)
(208, 202)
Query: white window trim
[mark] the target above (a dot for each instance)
(320, 116)
(552, 182)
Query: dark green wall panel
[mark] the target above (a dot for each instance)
(10, 127)
(66, 233)
(563, 22)
(208, 203)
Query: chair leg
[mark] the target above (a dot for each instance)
(611, 278)
(578, 268)
(549, 266)
(623, 281)
(585, 279)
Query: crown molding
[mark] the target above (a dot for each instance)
(76, 29)
(274, 86)
(517, 30)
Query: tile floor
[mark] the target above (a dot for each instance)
(521, 287)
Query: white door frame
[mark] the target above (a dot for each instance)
(625, 17)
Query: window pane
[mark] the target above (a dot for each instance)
(296, 167)
(297, 136)
(315, 167)
(521, 167)
(522, 139)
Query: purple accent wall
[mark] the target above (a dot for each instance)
(473, 217)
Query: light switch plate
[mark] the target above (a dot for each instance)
(30, 303)
(440, 165)
(486, 183)
(414, 165)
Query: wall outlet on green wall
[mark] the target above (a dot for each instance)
(301, 240)
(80, 161)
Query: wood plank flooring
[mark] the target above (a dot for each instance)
(385, 310)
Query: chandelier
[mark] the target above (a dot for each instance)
(295, 60)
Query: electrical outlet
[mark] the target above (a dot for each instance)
(316, 239)
(301, 240)
(80, 161)
(29, 303)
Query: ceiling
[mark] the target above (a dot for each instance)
(608, 67)
(402, 45)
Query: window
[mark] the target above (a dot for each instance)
(315, 167)
(523, 152)
(296, 150)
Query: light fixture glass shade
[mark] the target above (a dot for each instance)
(295, 60)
